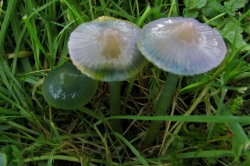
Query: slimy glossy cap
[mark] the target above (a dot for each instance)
(105, 49)
(182, 46)
(67, 88)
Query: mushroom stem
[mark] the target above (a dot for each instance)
(115, 105)
(161, 110)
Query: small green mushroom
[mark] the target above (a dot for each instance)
(105, 49)
(180, 46)
(66, 87)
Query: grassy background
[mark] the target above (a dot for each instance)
(213, 128)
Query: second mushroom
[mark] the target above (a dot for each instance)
(180, 46)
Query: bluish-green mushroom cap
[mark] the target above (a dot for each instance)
(182, 46)
(105, 49)
(66, 87)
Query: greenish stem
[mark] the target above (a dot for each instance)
(115, 105)
(161, 109)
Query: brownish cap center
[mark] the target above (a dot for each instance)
(187, 32)
(112, 42)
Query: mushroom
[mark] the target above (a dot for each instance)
(105, 49)
(180, 46)
(66, 87)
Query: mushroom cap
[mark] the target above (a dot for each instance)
(105, 49)
(66, 87)
(182, 46)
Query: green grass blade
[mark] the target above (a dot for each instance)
(131, 147)
(8, 15)
(36, 42)
(187, 118)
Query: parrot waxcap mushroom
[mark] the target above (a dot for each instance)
(182, 46)
(105, 49)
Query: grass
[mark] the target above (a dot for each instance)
(208, 123)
